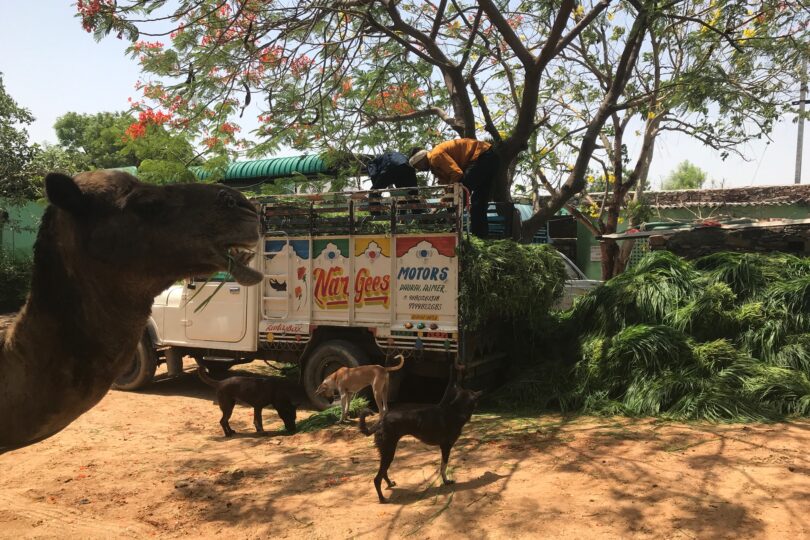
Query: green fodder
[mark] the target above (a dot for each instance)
(744, 273)
(780, 391)
(709, 315)
(632, 368)
(724, 339)
(714, 356)
(537, 386)
(749, 316)
(644, 294)
(750, 274)
(794, 354)
(790, 300)
(503, 280)
(330, 416)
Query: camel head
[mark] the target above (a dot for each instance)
(149, 236)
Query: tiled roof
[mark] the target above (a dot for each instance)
(746, 196)
(735, 197)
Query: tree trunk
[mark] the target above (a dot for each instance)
(576, 179)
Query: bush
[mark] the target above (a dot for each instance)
(15, 275)
(724, 338)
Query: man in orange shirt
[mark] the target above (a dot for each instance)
(471, 162)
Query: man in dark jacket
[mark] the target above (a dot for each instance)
(391, 169)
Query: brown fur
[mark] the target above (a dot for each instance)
(349, 381)
(107, 246)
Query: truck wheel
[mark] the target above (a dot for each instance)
(141, 370)
(325, 360)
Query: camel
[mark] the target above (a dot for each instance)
(107, 245)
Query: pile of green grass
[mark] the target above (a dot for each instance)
(330, 416)
(508, 282)
(723, 338)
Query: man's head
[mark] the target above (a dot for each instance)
(419, 160)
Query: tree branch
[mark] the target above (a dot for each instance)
(496, 18)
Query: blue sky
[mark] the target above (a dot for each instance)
(51, 66)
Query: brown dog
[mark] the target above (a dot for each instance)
(349, 381)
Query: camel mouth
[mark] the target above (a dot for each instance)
(239, 257)
(242, 254)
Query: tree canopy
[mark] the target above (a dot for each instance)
(15, 151)
(363, 75)
(117, 139)
(686, 175)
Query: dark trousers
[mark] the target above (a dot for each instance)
(479, 178)
(402, 176)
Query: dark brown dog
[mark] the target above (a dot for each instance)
(438, 425)
(256, 392)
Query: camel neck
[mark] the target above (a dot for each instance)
(86, 309)
(76, 333)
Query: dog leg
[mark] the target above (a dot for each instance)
(227, 410)
(385, 398)
(386, 458)
(445, 458)
(345, 403)
(379, 398)
(257, 419)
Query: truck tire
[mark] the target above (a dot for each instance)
(325, 360)
(141, 370)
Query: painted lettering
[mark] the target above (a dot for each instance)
(371, 290)
(331, 288)
(426, 273)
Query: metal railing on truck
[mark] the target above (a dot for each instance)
(394, 211)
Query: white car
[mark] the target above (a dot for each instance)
(576, 284)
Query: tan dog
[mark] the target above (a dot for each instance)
(348, 381)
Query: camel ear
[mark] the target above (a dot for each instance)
(63, 192)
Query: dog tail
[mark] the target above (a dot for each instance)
(364, 429)
(204, 377)
(399, 366)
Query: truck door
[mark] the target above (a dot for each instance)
(223, 317)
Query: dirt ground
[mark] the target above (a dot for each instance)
(156, 464)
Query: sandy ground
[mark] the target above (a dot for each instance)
(156, 464)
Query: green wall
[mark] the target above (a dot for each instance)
(585, 239)
(20, 231)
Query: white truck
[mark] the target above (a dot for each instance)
(349, 280)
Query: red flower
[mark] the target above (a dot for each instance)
(298, 292)
(302, 272)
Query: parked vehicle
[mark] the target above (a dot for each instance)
(576, 283)
(345, 284)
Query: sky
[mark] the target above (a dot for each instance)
(51, 66)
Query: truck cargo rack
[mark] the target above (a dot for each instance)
(388, 211)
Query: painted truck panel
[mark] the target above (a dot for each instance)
(369, 281)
